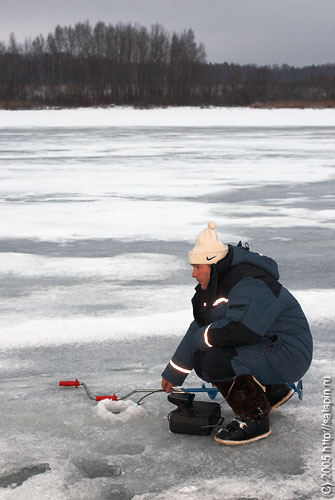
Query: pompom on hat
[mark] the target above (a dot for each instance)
(208, 248)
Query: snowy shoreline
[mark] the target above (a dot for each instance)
(168, 117)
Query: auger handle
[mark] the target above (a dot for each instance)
(69, 383)
(101, 398)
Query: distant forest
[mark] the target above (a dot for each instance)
(129, 64)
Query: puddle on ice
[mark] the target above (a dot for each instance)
(97, 468)
(16, 476)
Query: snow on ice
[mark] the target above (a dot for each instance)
(99, 208)
(119, 411)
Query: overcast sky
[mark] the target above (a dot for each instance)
(296, 32)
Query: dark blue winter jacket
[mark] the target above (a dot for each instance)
(245, 307)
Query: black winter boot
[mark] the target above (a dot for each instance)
(278, 394)
(245, 395)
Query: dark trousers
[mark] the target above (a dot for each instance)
(215, 364)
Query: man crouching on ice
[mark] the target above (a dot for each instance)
(249, 337)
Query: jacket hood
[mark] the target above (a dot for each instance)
(242, 255)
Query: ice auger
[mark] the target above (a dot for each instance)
(211, 391)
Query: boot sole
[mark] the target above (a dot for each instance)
(256, 438)
(282, 401)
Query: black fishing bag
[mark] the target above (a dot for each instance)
(193, 417)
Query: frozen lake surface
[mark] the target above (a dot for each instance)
(98, 211)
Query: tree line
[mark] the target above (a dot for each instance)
(107, 64)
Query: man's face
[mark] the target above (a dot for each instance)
(202, 273)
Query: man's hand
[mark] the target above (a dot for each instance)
(166, 386)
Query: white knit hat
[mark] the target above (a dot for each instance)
(208, 248)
